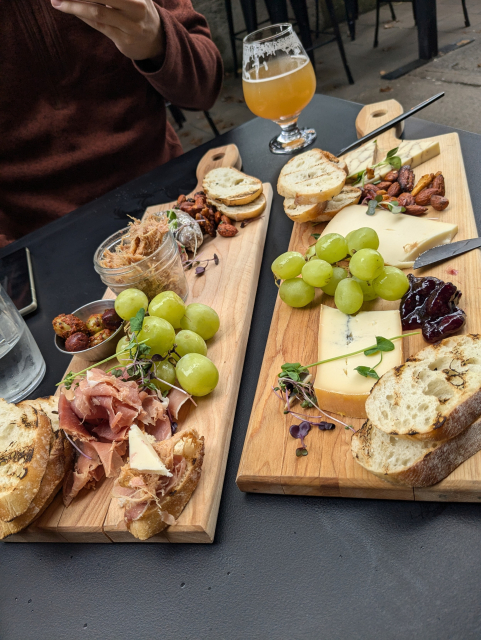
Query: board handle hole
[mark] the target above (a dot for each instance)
(218, 156)
(378, 114)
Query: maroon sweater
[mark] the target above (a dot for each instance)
(78, 118)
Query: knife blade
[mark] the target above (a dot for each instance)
(445, 252)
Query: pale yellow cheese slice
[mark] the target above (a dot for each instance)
(402, 238)
(412, 152)
(361, 158)
(339, 388)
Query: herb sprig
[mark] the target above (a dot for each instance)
(391, 159)
(393, 206)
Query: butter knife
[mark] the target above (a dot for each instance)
(445, 252)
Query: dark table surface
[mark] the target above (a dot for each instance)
(281, 567)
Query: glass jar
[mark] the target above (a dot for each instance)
(161, 271)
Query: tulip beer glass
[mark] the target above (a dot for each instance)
(279, 81)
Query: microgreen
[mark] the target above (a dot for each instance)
(315, 235)
(200, 265)
(391, 159)
(394, 206)
(138, 320)
(367, 372)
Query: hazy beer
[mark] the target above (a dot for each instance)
(281, 88)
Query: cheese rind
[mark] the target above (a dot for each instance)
(402, 238)
(339, 387)
(412, 152)
(142, 455)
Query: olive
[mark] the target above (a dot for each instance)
(77, 342)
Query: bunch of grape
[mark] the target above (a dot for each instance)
(194, 323)
(366, 277)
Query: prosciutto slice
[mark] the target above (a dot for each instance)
(69, 421)
(161, 430)
(86, 473)
(176, 400)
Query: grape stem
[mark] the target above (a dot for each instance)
(355, 353)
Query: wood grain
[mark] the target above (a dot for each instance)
(230, 288)
(268, 462)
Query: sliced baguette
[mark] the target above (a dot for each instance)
(434, 395)
(303, 212)
(241, 212)
(188, 444)
(349, 195)
(231, 187)
(310, 178)
(25, 434)
(411, 462)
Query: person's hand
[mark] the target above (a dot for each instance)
(134, 26)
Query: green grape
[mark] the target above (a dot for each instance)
(367, 289)
(200, 319)
(317, 273)
(288, 265)
(310, 253)
(364, 238)
(338, 274)
(159, 335)
(296, 293)
(125, 358)
(331, 247)
(348, 296)
(366, 264)
(165, 371)
(129, 302)
(169, 306)
(189, 342)
(197, 374)
(392, 284)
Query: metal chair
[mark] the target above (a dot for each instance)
(179, 117)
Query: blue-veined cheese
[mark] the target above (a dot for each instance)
(339, 388)
(361, 158)
(412, 152)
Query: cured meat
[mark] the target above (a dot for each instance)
(109, 457)
(176, 400)
(161, 430)
(69, 421)
(87, 471)
(104, 432)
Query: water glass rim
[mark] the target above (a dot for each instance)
(248, 39)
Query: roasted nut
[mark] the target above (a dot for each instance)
(206, 225)
(439, 202)
(66, 325)
(217, 217)
(391, 176)
(424, 197)
(438, 183)
(383, 185)
(415, 210)
(406, 200)
(99, 337)
(423, 183)
(406, 178)
(394, 189)
(111, 319)
(77, 342)
(94, 323)
(226, 219)
(181, 199)
(370, 173)
(227, 230)
(381, 192)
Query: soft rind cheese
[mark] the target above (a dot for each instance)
(339, 388)
(142, 455)
(361, 158)
(402, 238)
(412, 152)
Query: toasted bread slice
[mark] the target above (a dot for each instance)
(241, 212)
(303, 212)
(349, 195)
(411, 462)
(25, 434)
(159, 514)
(341, 163)
(49, 405)
(310, 178)
(231, 187)
(434, 395)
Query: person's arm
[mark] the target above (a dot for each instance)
(169, 43)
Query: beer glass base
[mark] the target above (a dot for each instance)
(279, 146)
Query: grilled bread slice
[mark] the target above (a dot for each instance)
(241, 212)
(434, 395)
(166, 509)
(310, 178)
(303, 212)
(349, 195)
(231, 187)
(25, 435)
(415, 463)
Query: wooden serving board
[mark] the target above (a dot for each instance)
(269, 463)
(230, 288)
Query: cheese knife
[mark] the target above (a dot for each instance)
(391, 123)
(445, 252)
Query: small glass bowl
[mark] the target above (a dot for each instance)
(161, 271)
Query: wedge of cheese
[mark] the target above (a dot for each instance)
(339, 387)
(413, 152)
(402, 238)
(142, 455)
(361, 158)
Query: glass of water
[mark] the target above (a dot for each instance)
(22, 366)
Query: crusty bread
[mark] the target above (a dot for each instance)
(434, 395)
(303, 212)
(348, 195)
(188, 444)
(231, 187)
(411, 462)
(241, 212)
(310, 178)
(341, 163)
(25, 434)
(49, 405)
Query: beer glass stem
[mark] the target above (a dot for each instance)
(291, 139)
